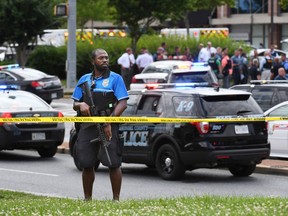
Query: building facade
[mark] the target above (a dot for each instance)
(255, 21)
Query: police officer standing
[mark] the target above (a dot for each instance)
(215, 64)
(110, 97)
(266, 65)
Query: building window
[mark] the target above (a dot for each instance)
(250, 6)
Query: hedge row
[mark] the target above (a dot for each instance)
(52, 60)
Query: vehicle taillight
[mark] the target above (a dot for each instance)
(36, 84)
(60, 114)
(202, 127)
(134, 80)
(5, 115)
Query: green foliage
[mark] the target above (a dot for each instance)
(49, 59)
(22, 20)
(15, 203)
(92, 10)
(284, 3)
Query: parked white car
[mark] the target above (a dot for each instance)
(278, 130)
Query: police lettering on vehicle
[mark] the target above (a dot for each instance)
(135, 135)
(185, 106)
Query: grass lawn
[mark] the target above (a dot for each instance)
(16, 203)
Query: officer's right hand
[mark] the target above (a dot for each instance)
(84, 109)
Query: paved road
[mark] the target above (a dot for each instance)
(26, 171)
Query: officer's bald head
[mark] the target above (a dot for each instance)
(97, 52)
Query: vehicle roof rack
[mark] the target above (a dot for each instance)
(260, 82)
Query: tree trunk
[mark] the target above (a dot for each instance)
(187, 24)
(21, 56)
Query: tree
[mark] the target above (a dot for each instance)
(284, 4)
(138, 15)
(22, 20)
(92, 10)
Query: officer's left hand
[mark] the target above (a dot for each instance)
(107, 131)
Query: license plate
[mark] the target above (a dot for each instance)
(151, 81)
(241, 129)
(54, 95)
(38, 136)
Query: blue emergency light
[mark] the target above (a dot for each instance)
(9, 87)
(9, 66)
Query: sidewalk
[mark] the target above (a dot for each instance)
(268, 166)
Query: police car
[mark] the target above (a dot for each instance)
(157, 72)
(48, 87)
(199, 73)
(174, 148)
(43, 137)
(267, 93)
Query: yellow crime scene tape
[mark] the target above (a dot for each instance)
(134, 119)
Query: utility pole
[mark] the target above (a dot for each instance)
(71, 48)
(272, 22)
(251, 24)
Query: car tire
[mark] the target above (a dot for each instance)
(47, 152)
(242, 170)
(168, 163)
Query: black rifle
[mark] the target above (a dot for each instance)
(94, 112)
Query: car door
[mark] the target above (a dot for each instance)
(138, 136)
(278, 132)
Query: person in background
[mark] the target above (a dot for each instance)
(215, 65)
(261, 46)
(236, 71)
(284, 62)
(164, 46)
(281, 74)
(275, 67)
(205, 52)
(265, 66)
(219, 53)
(273, 53)
(187, 54)
(127, 60)
(196, 55)
(143, 60)
(177, 52)
(254, 72)
(226, 68)
(101, 80)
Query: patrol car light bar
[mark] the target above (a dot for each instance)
(259, 82)
(9, 66)
(9, 87)
(176, 85)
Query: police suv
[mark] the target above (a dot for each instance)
(174, 148)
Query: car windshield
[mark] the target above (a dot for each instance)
(21, 103)
(191, 77)
(230, 105)
(29, 73)
(158, 69)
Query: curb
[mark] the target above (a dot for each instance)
(273, 170)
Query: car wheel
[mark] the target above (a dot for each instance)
(46, 152)
(242, 170)
(168, 163)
